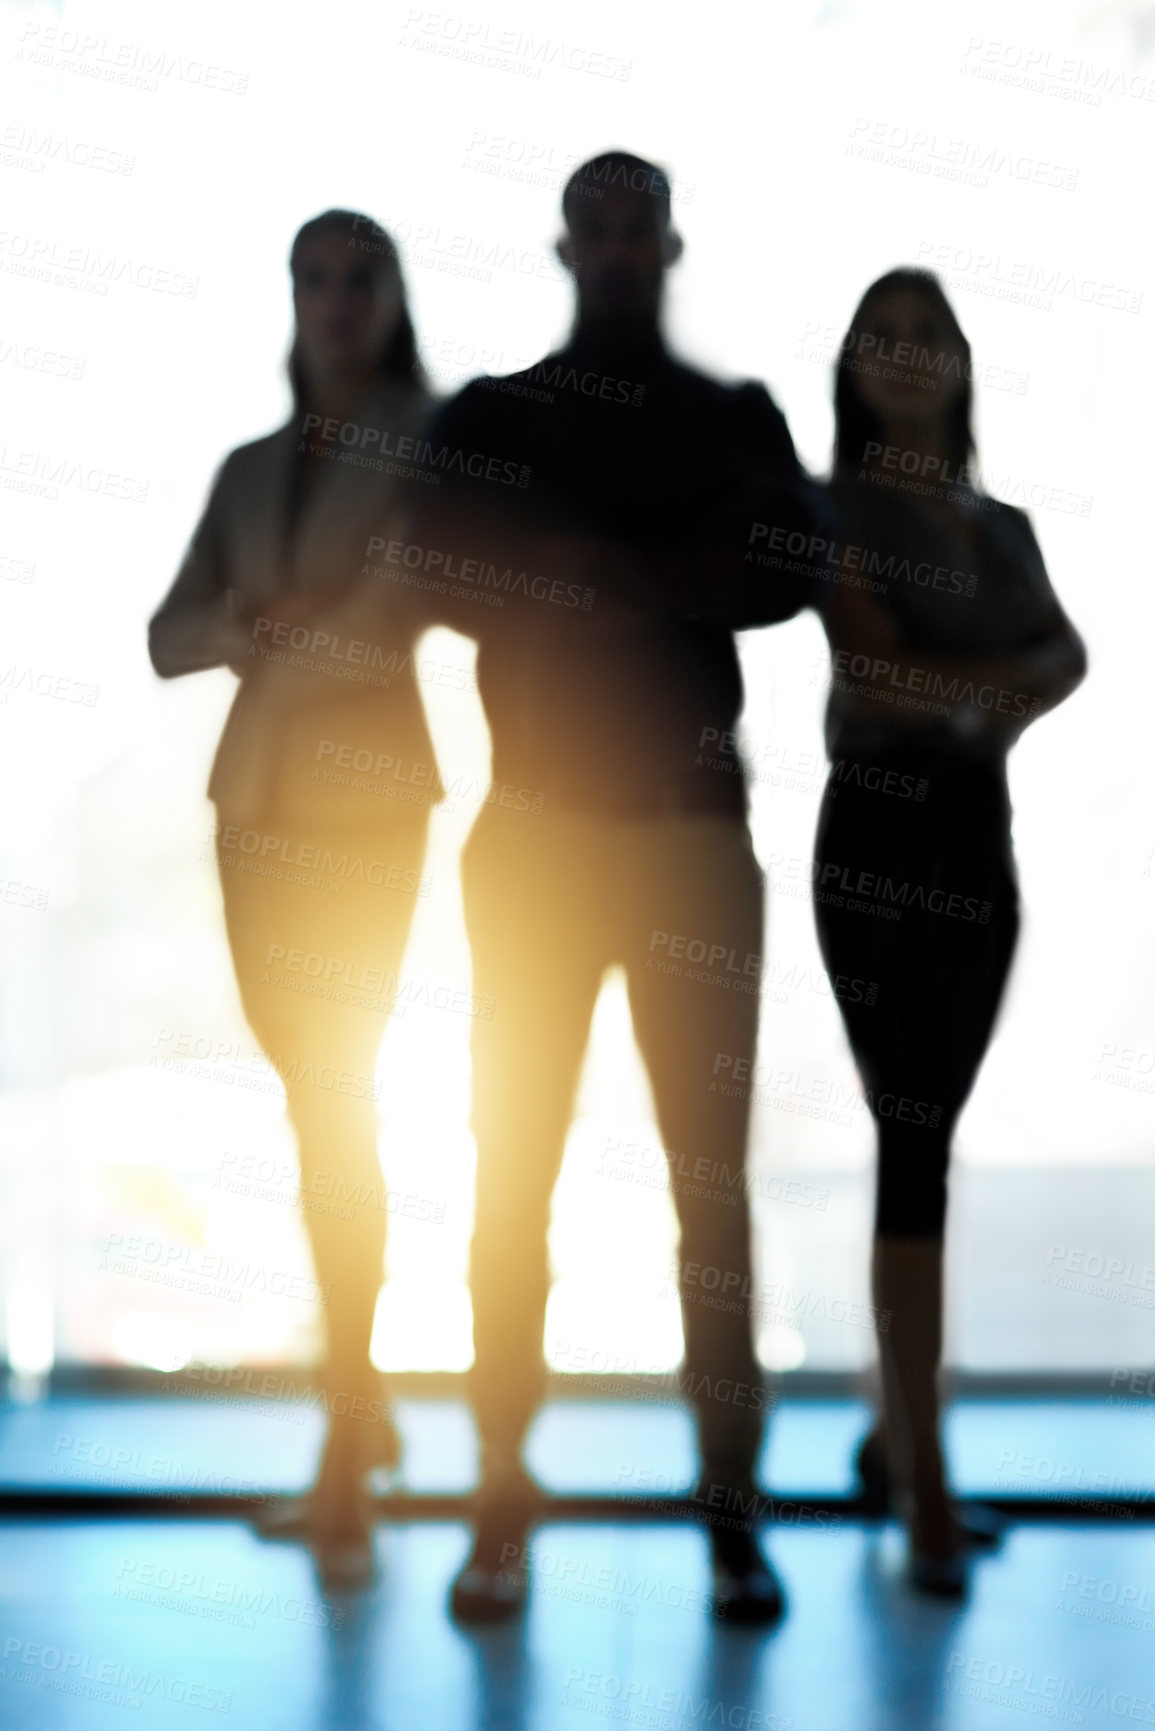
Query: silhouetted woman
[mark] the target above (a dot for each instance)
(322, 783)
(946, 639)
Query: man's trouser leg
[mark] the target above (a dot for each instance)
(531, 911)
(699, 883)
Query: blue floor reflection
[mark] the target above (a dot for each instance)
(171, 1621)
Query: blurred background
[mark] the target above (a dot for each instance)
(155, 166)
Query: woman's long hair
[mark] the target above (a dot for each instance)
(856, 425)
(399, 360)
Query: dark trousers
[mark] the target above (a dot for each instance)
(551, 902)
(915, 891)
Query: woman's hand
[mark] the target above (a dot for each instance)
(979, 696)
(234, 647)
(278, 609)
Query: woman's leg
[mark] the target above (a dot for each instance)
(343, 1201)
(906, 1279)
(324, 1043)
(907, 1291)
(918, 1050)
(955, 976)
(852, 826)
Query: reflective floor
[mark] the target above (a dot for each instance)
(174, 1623)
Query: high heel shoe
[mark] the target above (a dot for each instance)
(493, 1584)
(337, 1525)
(383, 1447)
(938, 1558)
(335, 1517)
(873, 1474)
(340, 1538)
(981, 1526)
(939, 1577)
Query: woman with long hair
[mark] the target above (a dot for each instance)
(947, 640)
(320, 866)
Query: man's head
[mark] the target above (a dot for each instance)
(619, 242)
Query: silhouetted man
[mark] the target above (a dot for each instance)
(608, 673)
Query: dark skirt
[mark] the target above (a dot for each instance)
(916, 894)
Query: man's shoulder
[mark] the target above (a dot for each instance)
(514, 401)
(746, 400)
(490, 413)
(476, 400)
(535, 383)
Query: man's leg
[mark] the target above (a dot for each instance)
(705, 889)
(703, 901)
(530, 908)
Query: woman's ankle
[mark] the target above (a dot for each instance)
(932, 1526)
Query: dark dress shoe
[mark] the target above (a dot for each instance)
(746, 1587)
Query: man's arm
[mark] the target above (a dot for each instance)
(715, 571)
(774, 523)
(453, 530)
(744, 561)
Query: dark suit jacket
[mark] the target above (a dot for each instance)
(348, 677)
